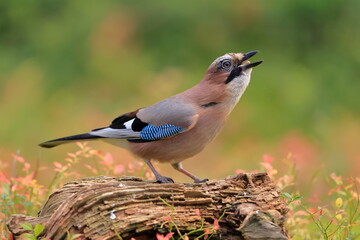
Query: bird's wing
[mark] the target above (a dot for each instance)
(164, 119)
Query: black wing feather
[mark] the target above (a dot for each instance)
(118, 123)
(137, 125)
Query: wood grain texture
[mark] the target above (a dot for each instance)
(102, 207)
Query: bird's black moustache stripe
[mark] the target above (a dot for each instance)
(234, 73)
(210, 104)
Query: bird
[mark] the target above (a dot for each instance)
(180, 126)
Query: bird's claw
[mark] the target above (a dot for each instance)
(198, 180)
(163, 179)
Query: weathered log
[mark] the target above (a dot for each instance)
(248, 206)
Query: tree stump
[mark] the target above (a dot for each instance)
(246, 206)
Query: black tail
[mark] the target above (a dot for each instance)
(59, 141)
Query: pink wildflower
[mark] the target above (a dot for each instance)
(162, 237)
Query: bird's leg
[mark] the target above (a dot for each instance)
(159, 178)
(178, 166)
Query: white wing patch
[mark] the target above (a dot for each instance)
(116, 133)
(129, 123)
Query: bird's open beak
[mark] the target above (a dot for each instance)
(237, 70)
(246, 57)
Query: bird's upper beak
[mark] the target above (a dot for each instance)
(246, 57)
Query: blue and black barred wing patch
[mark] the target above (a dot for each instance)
(152, 133)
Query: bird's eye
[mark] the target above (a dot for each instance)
(226, 64)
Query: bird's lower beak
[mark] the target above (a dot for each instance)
(246, 57)
(251, 65)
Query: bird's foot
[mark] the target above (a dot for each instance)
(163, 179)
(198, 180)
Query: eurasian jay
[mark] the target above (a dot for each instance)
(180, 126)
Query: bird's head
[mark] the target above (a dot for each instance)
(231, 69)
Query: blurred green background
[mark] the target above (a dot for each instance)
(70, 66)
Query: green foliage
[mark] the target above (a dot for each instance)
(291, 198)
(10, 199)
(203, 230)
(337, 219)
(27, 226)
(33, 232)
(70, 236)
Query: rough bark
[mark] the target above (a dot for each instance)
(104, 208)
